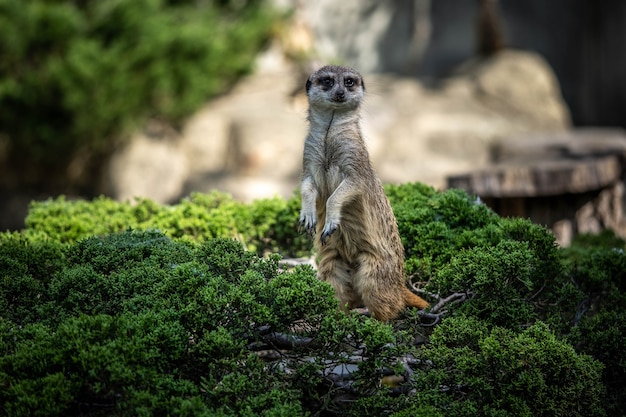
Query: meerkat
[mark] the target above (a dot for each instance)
(344, 206)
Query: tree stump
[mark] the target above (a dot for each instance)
(572, 182)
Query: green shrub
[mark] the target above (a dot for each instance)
(212, 328)
(26, 270)
(597, 267)
(457, 244)
(138, 323)
(514, 275)
(432, 224)
(267, 225)
(77, 76)
(499, 279)
(603, 336)
(471, 369)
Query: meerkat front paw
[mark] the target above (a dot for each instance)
(329, 229)
(308, 223)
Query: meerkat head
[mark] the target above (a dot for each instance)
(334, 88)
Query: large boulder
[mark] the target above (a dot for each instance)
(426, 133)
(152, 164)
(249, 142)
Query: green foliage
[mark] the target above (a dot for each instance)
(26, 269)
(603, 336)
(267, 225)
(597, 267)
(435, 226)
(514, 275)
(136, 321)
(78, 75)
(458, 244)
(498, 276)
(141, 309)
(472, 369)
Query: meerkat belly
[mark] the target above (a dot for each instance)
(327, 179)
(357, 232)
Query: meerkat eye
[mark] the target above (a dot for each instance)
(349, 82)
(327, 82)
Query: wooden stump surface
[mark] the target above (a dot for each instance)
(535, 165)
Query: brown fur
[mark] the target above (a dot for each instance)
(344, 205)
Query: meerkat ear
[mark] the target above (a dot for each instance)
(363, 84)
(308, 85)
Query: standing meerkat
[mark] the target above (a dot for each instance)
(344, 205)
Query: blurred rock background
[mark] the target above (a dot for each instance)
(448, 81)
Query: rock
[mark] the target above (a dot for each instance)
(249, 142)
(549, 164)
(425, 134)
(520, 84)
(150, 165)
(541, 177)
(606, 211)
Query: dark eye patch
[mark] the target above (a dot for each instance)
(350, 82)
(326, 82)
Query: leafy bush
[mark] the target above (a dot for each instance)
(138, 323)
(178, 317)
(597, 266)
(514, 275)
(472, 369)
(457, 244)
(76, 76)
(267, 225)
(26, 268)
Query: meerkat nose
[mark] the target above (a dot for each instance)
(340, 95)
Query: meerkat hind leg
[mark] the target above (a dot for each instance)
(338, 273)
(377, 289)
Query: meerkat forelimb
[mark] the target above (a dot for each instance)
(344, 206)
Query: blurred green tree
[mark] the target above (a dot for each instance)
(77, 76)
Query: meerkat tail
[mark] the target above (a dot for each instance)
(413, 300)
